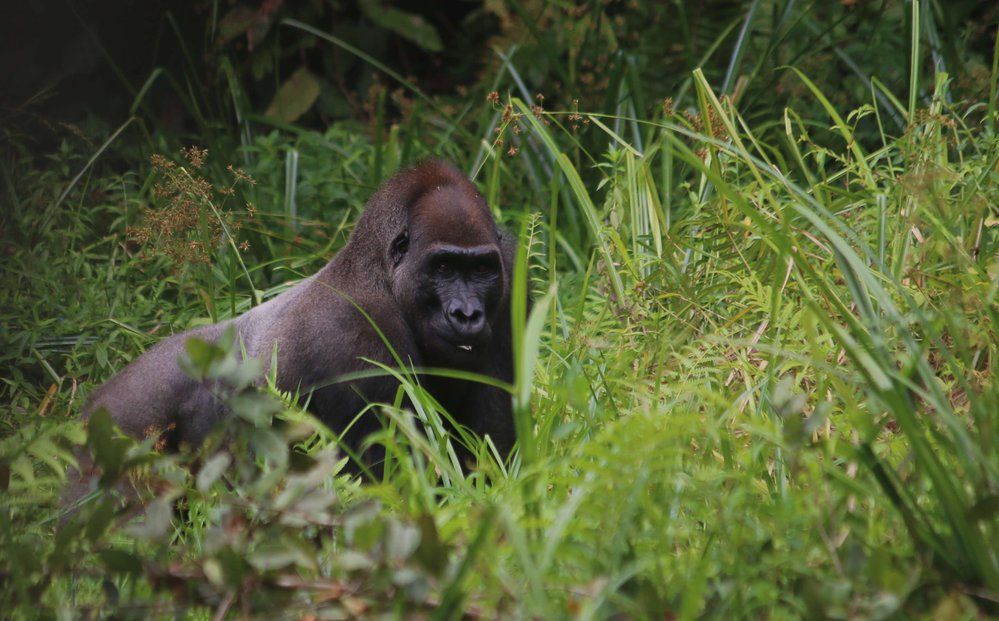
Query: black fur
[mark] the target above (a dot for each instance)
(421, 219)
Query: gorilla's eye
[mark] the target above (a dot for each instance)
(483, 268)
(443, 268)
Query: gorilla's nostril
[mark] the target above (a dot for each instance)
(465, 318)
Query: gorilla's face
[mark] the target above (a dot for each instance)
(449, 279)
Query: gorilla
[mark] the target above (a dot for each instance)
(429, 266)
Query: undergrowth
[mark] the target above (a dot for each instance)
(758, 379)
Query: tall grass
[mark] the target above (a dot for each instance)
(754, 377)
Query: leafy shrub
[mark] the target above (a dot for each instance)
(251, 519)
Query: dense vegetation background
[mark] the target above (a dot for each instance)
(759, 379)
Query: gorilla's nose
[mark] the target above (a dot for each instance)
(466, 318)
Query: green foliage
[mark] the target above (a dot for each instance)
(250, 517)
(758, 378)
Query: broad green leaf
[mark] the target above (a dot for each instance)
(155, 522)
(235, 22)
(212, 470)
(408, 25)
(294, 97)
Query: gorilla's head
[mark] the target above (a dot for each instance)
(448, 275)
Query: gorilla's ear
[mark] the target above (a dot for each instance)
(399, 247)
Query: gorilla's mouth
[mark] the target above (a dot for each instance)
(466, 343)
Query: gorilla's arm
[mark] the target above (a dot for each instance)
(322, 337)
